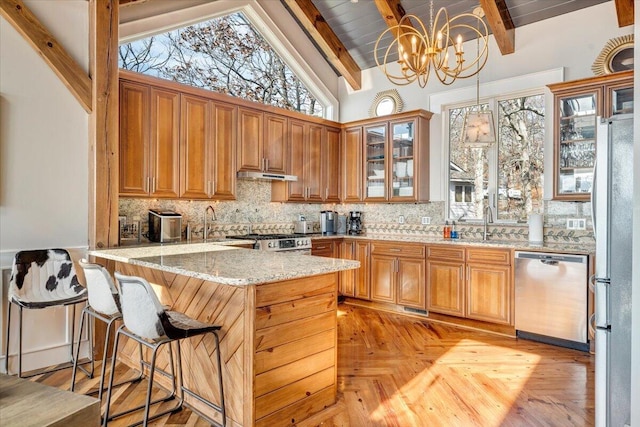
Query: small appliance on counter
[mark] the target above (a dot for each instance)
(328, 222)
(129, 231)
(302, 226)
(355, 222)
(342, 224)
(165, 226)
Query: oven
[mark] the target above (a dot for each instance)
(294, 243)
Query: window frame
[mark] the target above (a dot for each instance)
(492, 151)
(160, 21)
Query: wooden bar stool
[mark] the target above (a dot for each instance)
(104, 305)
(150, 324)
(40, 279)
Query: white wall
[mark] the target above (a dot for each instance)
(43, 159)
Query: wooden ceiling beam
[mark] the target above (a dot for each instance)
(66, 68)
(624, 10)
(499, 20)
(129, 2)
(323, 35)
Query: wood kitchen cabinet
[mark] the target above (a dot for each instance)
(207, 145)
(578, 104)
(398, 274)
(314, 154)
(394, 159)
(351, 165)
(355, 283)
(445, 280)
(261, 141)
(325, 247)
(489, 295)
(149, 141)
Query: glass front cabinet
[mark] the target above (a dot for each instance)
(397, 158)
(578, 105)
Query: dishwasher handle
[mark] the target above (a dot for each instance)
(551, 258)
(549, 262)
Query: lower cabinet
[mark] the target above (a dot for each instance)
(474, 283)
(398, 274)
(355, 283)
(325, 247)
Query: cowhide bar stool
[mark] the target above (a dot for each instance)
(103, 305)
(41, 279)
(149, 323)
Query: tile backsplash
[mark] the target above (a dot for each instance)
(254, 208)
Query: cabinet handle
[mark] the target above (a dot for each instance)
(326, 192)
(321, 247)
(213, 188)
(266, 165)
(397, 265)
(147, 185)
(395, 249)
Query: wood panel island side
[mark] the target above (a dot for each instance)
(278, 316)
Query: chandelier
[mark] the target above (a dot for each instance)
(420, 51)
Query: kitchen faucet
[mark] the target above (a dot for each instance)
(488, 219)
(205, 232)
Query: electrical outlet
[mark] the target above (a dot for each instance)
(401, 219)
(426, 220)
(576, 224)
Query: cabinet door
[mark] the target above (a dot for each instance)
(165, 143)
(326, 248)
(383, 275)
(195, 156)
(347, 277)
(575, 144)
(445, 287)
(223, 143)
(411, 284)
(351, 165)
(402, 137)
(134, 139)
(313, 170)
(362, 275)
(250, 140)
(275, 143)
(297, 190)
(376, 166)
(618, 99)
(331, 166)
(489, 293)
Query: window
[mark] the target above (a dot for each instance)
(507, 176)
(227, 55)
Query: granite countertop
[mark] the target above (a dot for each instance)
(563, 247)
(227, 264)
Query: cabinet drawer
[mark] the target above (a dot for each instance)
(398, 249)
(491, 256)
(445, 252)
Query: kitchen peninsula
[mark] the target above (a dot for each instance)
(278, 316)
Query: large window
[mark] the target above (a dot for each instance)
(507, 176)
(225, 54)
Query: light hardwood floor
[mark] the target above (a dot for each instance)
(399, 371)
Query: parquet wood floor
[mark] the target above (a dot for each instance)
(399, 371)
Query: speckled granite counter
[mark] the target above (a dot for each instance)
(564, 247)
(226, 264)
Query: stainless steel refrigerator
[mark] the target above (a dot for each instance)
(613, 206)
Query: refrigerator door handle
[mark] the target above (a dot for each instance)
(602, 304)
(594, 199)
(601, 378)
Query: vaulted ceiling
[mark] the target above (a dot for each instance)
(345, 31)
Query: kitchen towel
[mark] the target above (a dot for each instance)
(535, 229)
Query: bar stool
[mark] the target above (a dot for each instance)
(147, 322)
(40, 279)
(104, 305)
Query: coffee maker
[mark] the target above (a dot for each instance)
(328, 222)
(355, 222)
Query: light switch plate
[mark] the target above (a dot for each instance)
(401, 219)
(426, 220)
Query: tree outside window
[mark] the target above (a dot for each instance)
(512, 169)
(226, 55)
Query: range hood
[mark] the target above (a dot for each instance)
(266, 176)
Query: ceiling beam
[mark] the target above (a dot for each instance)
(129, 2)
(624, 10)
(499, 20)
(66, 68)
(323, 35)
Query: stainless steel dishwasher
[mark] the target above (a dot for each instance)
(551, 298)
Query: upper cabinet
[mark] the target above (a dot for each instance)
(262, 141)
(578, 104)
(393, 160)
(175, 144)
(149, 141)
